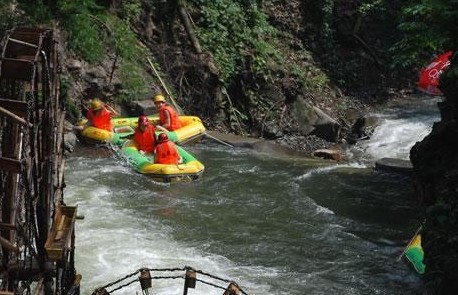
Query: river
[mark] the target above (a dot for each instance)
(273, 223)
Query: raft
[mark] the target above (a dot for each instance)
(95, 135)
(415, 254)
(193, 130)
(189, 170)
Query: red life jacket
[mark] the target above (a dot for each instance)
(145, 140)
(166, 153)
(174, 119)
(101, 121)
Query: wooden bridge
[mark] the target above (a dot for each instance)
(36, 227)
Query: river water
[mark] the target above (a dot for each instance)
(275, 224)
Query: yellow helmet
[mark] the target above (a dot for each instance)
(159, 98)
(96, 104)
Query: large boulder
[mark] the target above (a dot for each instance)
(312, 120)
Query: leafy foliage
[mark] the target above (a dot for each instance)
(429, 27)
(93, 33)
(241, 39)
(130, 10)
(7, 17)
(233, 31)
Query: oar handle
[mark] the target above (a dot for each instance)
(218, 140)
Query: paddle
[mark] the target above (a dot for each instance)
(177, 107)
(218, 140)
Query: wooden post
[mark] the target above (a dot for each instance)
(190, 280)
(232, 289)
(145, 279)
(14, 117)
(102, 291)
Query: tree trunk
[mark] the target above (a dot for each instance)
(168, 12)
(207, 59)
(188, 27)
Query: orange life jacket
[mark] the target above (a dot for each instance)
(145, 140)
(166, 153)
(174, 119)
(101, 121)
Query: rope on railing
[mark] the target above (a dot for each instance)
(190, 277)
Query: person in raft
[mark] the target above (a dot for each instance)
(168, 116)
(166, 152)
(144, 136)
(99, 115)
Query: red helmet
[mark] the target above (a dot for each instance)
(162, 137)
(143, 120)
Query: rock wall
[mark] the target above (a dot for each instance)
(435, 162)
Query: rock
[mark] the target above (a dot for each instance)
(144, 107)
(394, 165)
(74, 65)
(329, 154)
(70, 141)
(96, 72)
(258, 144)
(272, 130)
(312, 120)
(358, 131)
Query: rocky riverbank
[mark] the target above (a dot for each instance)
(435, 161)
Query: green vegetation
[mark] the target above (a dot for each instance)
(93, 33)
(429, 27)
(235, 32)
(350, 39)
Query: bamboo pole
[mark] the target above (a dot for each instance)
(218, 140)
(14, 116)
(177, 107)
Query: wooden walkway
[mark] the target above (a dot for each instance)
(36, 227)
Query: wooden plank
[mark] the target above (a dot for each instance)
(15, 106)
(25, 30)
(59, 237)
(18, 119)
(11, 165)
(25, 41)
(7, 244)
(60, 133)
(7, 226)
(18, 272)
(17, 69)
(18, 48)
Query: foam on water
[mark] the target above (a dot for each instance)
(113, 242)
(395, 137)
(399, 128)
(324, 170)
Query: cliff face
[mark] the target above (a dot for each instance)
(435, 162)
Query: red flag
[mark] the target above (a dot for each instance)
(428, 81)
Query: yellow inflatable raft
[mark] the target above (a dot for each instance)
(193, 130)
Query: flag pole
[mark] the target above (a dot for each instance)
(410, 242)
